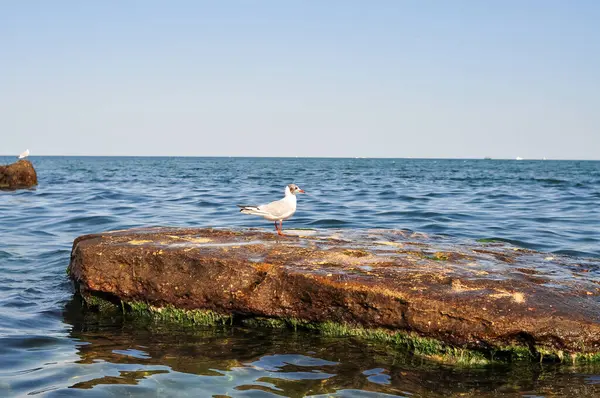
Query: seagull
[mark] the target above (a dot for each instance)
(278, 210)
(23, 155)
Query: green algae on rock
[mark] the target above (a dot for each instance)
(442, 299)
(179, 316)
(420, 346)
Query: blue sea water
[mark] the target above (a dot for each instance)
(48, 347)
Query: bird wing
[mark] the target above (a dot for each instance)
(278, 208)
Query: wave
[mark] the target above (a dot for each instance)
(88, 220)
(329, 222)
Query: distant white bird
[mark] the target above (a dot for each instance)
(23, 155)
(276, 211)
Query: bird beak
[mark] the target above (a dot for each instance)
(301, 190)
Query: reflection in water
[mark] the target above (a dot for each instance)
(164, 360)
(123, 378)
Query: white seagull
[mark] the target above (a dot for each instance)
(23, 155)
(278, 210)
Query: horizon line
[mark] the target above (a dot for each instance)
(306, 157)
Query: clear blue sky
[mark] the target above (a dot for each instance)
(301, 78)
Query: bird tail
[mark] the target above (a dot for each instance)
(250, 210)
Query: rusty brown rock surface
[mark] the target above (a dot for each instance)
(20, 174)
(469, 295)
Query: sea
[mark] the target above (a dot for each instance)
(50, 347)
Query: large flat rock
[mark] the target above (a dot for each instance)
(20, 174)
(481, 296)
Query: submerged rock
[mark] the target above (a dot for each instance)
(20, 174)
(441, 298)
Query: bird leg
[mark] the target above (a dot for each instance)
(280, 229)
